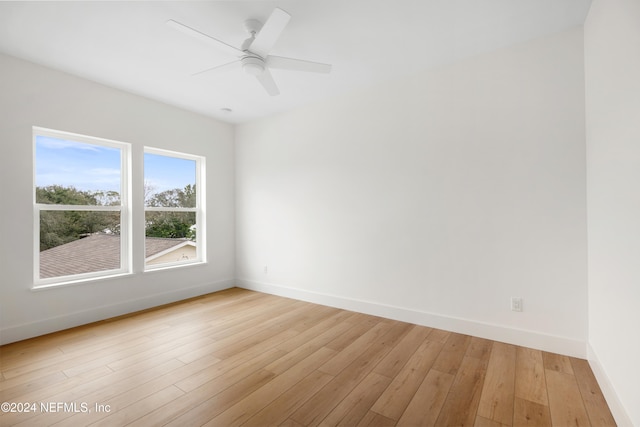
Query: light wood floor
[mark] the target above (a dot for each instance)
(243, 358)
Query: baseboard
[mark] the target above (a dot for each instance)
(531, 339)
(615, 405)
(59, 323)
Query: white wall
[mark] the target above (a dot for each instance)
(612, 68)
(33, 95)
(433, 199)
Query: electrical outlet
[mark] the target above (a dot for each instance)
(516, 304)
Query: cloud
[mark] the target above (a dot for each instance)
(84, 166)
(61, 144)
(104, 172)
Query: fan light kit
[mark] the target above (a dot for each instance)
(253, 65)
(254, 56)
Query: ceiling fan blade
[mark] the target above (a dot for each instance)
(297, 65)
(270, 32)
(217, 67)
(203, 37)
(266, 80)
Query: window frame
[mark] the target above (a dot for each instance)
(124, 208)
(199, 209)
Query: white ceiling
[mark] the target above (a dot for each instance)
(128, 46)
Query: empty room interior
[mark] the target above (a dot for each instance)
(411, 212)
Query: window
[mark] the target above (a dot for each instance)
(83, 211)
(173, 204)
(81, 207)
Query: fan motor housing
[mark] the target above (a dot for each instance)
(253, 65)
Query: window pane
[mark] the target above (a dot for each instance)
(170, 237)
(169, 181)
(76, 242)
(76, 173)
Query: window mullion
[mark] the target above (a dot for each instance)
(169, 209)
(51, 207)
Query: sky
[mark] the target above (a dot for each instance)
(91, 167)
(165, 173)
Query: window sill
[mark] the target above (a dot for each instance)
(174, 266)
(76, 282)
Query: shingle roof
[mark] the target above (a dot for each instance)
(97, 252)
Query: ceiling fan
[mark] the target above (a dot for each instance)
(253, 55)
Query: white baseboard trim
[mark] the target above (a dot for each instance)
(59, 323)
(526, 338)
(617, 408)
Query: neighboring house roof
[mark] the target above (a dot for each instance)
(155, 243)
(97, 252)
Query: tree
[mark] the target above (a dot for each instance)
(59, 195)
(172, 224)
(107, 198)
(174, 198)
(60, 227)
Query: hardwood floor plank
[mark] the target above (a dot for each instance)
(77, 364)
(276, 412)
(479, 348)
(290, 423)
(206, 350)
(229, 369)
(372, 419)
(557, 362)
(461, 404)
(485, 422)
(42, 347)
(329, 329)
(204, 403)
(246, 319)
(267, 329)
(106, 340)
(314, 315)
(452, 353)
(360, 324)
(426, 404)
(530, 414)
(496, 400)
(238, 357)
(344, 358)
(141, 390)
(312, 343)
(439, 335)
(323, 402)
(565, 400)
(397, 396)
(175, 348)
(530, 379)
(249, 337)
(594, 402)
(256, 401)
(136, 409)
(93, 337)
(50, 393)
(357, 403)
(22, 386)
(102, 389)
(398, 357)
(16, 389)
